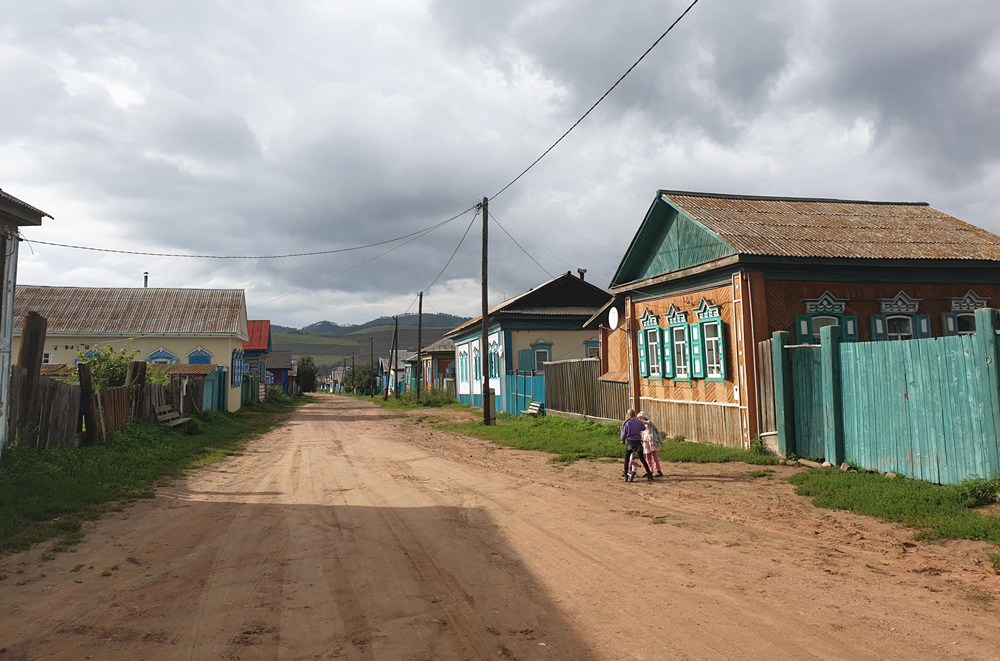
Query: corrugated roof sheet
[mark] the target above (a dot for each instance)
(279, 360)
(441, 346)
(799, 227)
(55, 369)
(21, 203)
(181, 368)
(259, 331)
(133, 311)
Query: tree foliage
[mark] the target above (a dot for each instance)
(307, 373)
(109, 368)
(358, 378)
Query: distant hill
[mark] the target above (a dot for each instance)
(333, 329)
(331, 344)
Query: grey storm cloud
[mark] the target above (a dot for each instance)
(264, 128)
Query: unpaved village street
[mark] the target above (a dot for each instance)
(352, 533)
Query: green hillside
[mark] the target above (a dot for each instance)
(328, 351)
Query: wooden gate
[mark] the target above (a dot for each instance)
(807, 397)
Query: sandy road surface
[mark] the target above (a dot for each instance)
(350, 534)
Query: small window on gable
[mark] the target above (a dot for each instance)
(900, 327)
(47, 358)
(821, 321)
(966, 323)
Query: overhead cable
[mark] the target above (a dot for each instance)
(596, 103)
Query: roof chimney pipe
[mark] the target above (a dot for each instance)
(582, 273)
(145, 278)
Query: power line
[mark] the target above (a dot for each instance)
(454, 252)
(589, 110)
(383, 254)
(497, 221)
(298, 254)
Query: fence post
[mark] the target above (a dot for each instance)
(986, 343)
(832, 394)
(135, 379)
(30, 358)
(784, 408)
(87, 403)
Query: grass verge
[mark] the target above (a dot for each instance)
(408, 401)
(571, 439)
(50, 493)
(937, 511)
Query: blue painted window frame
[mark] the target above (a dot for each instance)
(540, 346)
(199, 357)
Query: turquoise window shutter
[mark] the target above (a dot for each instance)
(949, 323)
(803, 330)
(922, 326)
(880, 330)
(668, 356)
(526, 360)
(849, 327)
(697, 351)
(643, 366)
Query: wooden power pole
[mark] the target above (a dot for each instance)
(390, 375)
(484, 347)
(420, 342)
(354, 381)
(371, 378)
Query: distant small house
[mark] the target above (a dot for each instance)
(168, 326)
(279, 366)
(410, 371)
(438, 362)
(256, 349)
(541, 325)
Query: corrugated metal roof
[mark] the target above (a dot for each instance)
(21, 203)
(584, 311)
(133, 311)
(181, 368)
(800, 227)
(441, 346)
(55, 369)
(279, 360)
(259, 331)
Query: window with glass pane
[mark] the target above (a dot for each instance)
(900, 327)
(653, 351)
(820, 322)
(680, 352)
(593, 352)
(477, 366)
(967, 323)
(713, 361)
(541, 357)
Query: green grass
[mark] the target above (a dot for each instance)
(49, 493)
(408, 401)
(937, 511)
(572, 439)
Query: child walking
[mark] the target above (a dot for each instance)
(651, 444)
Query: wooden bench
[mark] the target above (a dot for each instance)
(168, 416)
(535, 409)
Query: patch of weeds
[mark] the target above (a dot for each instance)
(874, 569)
(114, 567)
(3, 577)
(938, 511)
(68, 541)
(608, 460)
(761, 473)
(105, 574)
(570, 440)
(732, 544)
(47, 557)
(994, 558)
(413, 478)
(77, 568)
(659, 519)
(707, 453)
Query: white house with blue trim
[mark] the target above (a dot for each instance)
(543, 324)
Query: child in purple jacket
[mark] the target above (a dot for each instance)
(632, 440)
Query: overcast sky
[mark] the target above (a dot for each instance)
(243, 128)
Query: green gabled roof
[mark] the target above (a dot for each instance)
(668, 239)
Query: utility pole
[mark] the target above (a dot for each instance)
(371, 378)
(420, 342)
(390, 374)
(343, 378)
(354, 383)
(484, 346)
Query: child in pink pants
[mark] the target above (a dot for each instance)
(651, 444)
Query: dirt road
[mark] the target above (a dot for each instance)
(352, 534)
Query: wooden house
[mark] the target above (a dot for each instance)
(14, 214)
(279, 366)
(165, 325)
(708, 278)
(541, 325)
(256, 349)
(438, 362)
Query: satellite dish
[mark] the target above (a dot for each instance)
(613, 318)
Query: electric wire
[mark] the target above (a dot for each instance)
(455, 251)
(596, 103)
(497, 221)
(298, 254)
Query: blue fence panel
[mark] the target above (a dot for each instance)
(521, 390)
(807, 387)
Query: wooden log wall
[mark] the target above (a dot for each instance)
(695, 421)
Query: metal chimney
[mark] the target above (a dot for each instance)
(582, 273)
(145, 278)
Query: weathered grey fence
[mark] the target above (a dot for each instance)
(575, 386)
(928, 408)
(46, 417)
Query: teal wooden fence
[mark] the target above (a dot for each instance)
(522, 389)
(928, 409)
